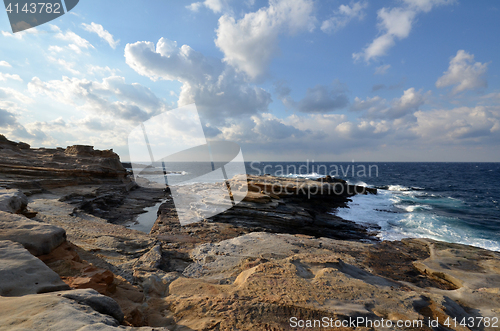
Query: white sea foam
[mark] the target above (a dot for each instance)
(398, 188)
(313, 175)
(357, 183)
(410, 214)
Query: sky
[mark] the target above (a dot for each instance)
(288, 80)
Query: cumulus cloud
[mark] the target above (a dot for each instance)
(377, 107)
(464, 73)
(396, 24)
(7, 118)
(104, 34)
(10, 93)
(342, 16)
(5, 64)
(217, 89)
(4, 77)
(273, 128)
(250, 43)
(112, 97)
(473, 124)
(14, 130)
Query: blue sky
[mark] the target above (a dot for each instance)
(407, 80)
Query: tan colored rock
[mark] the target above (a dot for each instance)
(37, 237)
(261, 280)
(77, 310)
(21, 273)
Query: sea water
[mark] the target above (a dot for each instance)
(453, 202)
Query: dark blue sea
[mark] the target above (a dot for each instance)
(453, 202)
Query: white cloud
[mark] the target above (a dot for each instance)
(474, 124)
(396, 23)
(372, 104)
(464, 73)
(93, 70)
(104, 34)
(219, 92)
(21, 34)
(217, 6)
(111, 97)
(4, 77)
(381, 70)
(65, 65)
(250, 43)
(427, 5)
(377, 107)
(261, 129)
(55, 49)
(344, 15)
(195, 6)
(76, 42)
(10, 93)
(5, 64)
(15, 130)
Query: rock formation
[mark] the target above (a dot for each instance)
(22, 167)
(276, 261)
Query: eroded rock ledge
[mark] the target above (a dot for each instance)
(270, 258)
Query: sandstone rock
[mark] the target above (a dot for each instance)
(95, 278)
(107, 246)
(78, 273)
(28, 169)
(21, 273)
(68, 311)
(12, 201)
(80, 150)
(37, 237)
(100, 303)
(260, 280)
(151, 260)
(264, 211)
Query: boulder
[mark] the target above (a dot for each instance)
(52, 312)
(39, 238)
(21, 273)
(68, 311)
(92, 298)
(12, 201)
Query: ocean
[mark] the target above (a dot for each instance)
(453, 202)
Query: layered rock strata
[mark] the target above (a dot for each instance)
(277, 258)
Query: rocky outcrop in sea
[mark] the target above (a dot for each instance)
(278, 260)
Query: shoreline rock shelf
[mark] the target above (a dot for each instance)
(274, 256)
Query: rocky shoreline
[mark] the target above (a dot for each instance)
(68, 261)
